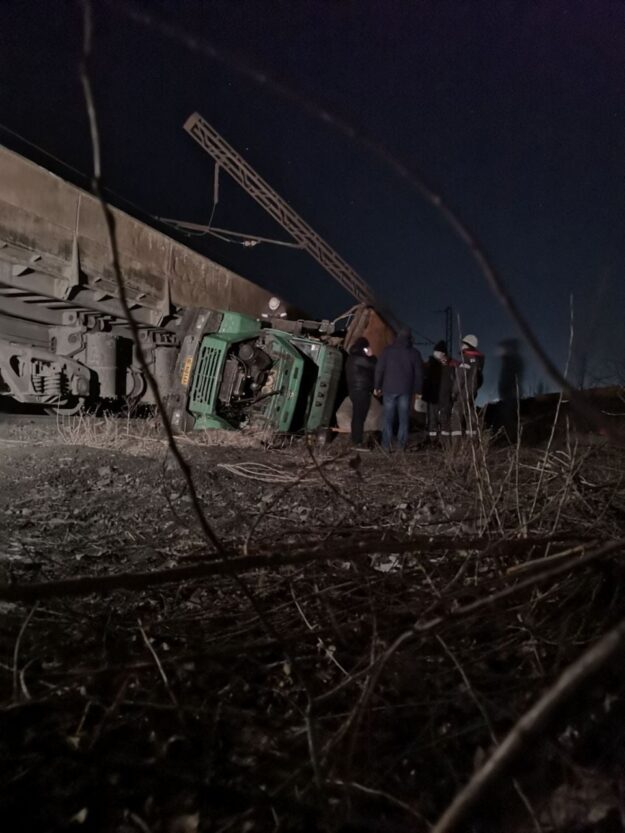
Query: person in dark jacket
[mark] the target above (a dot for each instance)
(437, 390)
(360, 372)
(468, 378)
(398, 377)
(510, 387)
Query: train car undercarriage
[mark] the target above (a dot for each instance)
(64, 339)
(72, 348)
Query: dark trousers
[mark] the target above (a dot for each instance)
(396, 409)
(361, 399)
(464, 417)
(439, 418)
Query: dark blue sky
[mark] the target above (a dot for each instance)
(515, 110)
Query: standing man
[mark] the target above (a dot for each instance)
(468, 379)
(437, 389)
(398, 377)
(360, 372)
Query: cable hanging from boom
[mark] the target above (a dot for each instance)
(227, 158)
(199, 230)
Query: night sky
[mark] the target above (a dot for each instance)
(515, 110)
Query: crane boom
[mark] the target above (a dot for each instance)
(242, 173)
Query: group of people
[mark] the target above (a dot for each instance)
(451, 387)
(448, 387)
(397, 377)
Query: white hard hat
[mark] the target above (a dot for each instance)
(471, 340)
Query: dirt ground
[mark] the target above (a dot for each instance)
(279, 700)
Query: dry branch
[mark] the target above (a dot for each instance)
(16, 651)
(238, 564)
(109, 219)
(590, 662)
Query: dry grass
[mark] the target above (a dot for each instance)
(143, 437)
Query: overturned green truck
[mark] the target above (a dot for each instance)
(235, 371)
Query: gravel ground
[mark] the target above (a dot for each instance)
(277, 702)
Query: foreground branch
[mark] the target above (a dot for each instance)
(109, 220)
(233, 565)
(590, 662)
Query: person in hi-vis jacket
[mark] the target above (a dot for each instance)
(468, 378)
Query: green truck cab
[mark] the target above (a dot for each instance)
(235, 371)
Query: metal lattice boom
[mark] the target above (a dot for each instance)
(228, 158)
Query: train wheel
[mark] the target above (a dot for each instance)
(69, 407)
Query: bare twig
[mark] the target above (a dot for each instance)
(421, 627)
(16, 651)
(588, 664)
(396, 802)
(539, 563)
(491, 729)
(231, 565)
(557, 413)
(159, 666)
(96, 185)
(329, 653)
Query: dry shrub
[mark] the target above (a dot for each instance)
(245, 438)
(108, 432)
(141, 436)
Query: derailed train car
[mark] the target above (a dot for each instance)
(224, 352)
(63, 337)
